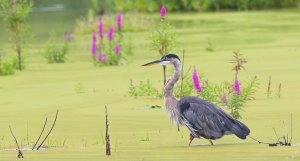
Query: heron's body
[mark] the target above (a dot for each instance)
(202, 118)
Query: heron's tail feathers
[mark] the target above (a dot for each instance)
(240, 130)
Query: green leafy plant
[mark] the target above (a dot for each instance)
(249, 89)
(186, 89)
(210, 46)
(7, 66)
(14, 14)
(55, 53)
(79, 88)
(237, 101)
(56, 142)
(235, 105)
(144, 89)
(147, 89)
(232, 95)
(110, 51)
(213, 92)
(146, 138)
(163, 39)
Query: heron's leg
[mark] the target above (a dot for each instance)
(191, 139)
(211, 143)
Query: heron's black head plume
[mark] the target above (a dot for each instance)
(170, 56)
(165, 60)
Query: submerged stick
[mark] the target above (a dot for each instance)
(107, 134)
(40, 134)
(49, 131)
(20, 154)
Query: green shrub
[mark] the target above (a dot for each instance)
(55, 53)
(7, 66)
(187, 87)
(14, 14)
(192, 5)
(144, 89)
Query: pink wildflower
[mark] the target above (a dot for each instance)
(119, 21)
(110, 33)
(101, 29)
(196, 82)
(236, 87)
(163, 11)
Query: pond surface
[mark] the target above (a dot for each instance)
(51, 16)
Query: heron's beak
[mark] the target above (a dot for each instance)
(153, 63)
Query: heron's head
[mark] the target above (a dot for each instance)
(169, 59)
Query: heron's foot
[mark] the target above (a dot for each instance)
(191, 139)
(211, 143)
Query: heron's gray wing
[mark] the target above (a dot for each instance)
(208, 120)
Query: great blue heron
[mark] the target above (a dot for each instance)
(202, 118)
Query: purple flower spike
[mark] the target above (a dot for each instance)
(224, 98)
(110, 33)
(101, 29)
(119, 21)
(94, 37)
(94, 48)
(163, 11)
(117, 49)
(196, 82)
(104, 59)
(69, 36)
(100, 56)
(236, 87)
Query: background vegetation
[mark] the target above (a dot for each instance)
(194, 5)
(268, 39)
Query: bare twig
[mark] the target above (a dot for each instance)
(40, 134)
(107, 134)
(182, 77)
(281, 141)
(20, 154)
(49, 131)
(286, 137)
(279, 91)
(275, 134)
(269, 87)
(27, 136)
(290, 142)
(165, 75)
(181, 85)
(260, 142)
(187, 72)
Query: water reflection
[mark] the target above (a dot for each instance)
(55, 16)
(50, 8)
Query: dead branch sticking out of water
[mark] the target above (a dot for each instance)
(49, 131)
(107, 134)
(40, 135)
(20, 154)
(284, 140)
(281, 141)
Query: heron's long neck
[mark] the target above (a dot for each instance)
(170, 100)
(168, 90)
